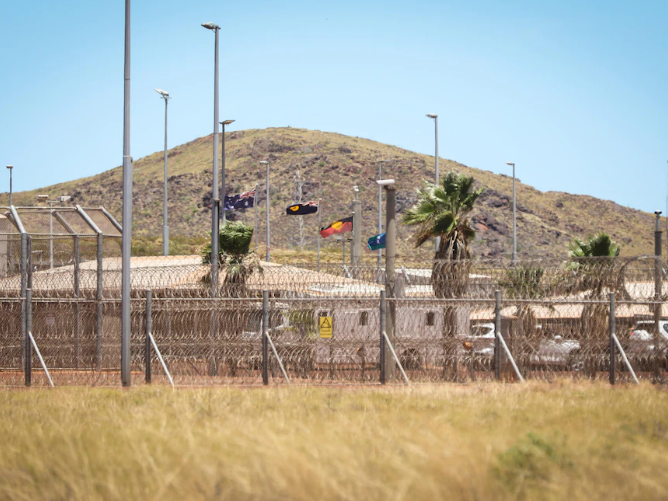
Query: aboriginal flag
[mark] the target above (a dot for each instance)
(345, 224)
(302, 209)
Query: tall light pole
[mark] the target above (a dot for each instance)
(380, 209)
(437, 240)
(215, 232)
(264, 162)
(514, 217)
(126, 245)
(165, 227)
(224, 123)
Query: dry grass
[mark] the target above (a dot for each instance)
(538, 441)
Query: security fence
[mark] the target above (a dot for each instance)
(254, 322)
(195, 341)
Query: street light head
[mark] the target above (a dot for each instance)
(432, 115)
(211, 26)
(264, 162)
(64, 198)
(227, 122)
(385, 182)
(510, 163)
(41, 198)
(356, 189)
(657, 212)
(163, 93)
(10, 166)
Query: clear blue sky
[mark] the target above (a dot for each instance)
(573, 92)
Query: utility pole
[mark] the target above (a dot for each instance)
(165, 229)
(126, 311)
(380, 209)
(215, 214)
(390, 263)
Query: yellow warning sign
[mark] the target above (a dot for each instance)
(325, 324)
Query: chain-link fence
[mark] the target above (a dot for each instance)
(268, 322)
(231, 341)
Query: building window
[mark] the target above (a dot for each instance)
(430, 318)
(364, 318)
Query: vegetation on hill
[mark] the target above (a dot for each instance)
(330, 165)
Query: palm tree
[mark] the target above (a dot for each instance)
(238, 263)
(236, 259)
(598, 245)
(592, 263)
(524, 282)
(441, 211)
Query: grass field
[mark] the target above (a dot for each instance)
(535, 441)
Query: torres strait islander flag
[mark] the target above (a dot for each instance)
(340, 226)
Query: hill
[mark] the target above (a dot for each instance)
(330, 165)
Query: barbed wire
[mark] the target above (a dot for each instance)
(205, 341)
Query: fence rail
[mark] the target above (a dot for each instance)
(444, 321)
(329, 340)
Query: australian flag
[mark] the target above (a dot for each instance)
(240, 201)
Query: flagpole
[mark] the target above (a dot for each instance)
(318, 236)
(319, 226)
(255, 203)
(268, 210)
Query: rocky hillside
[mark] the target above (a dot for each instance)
(330, 165)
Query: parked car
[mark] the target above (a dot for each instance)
(644, 328)
(547, 350)
(641, 346)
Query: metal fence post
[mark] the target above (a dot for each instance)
(383, 347)
(658, 337)
(30, 263)
(390, 276)
(612, 338)
(149, 328)
(77, 313)
(24, 286)
(497, 332)
(27, 347)
(100, 305)
(265, 341)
